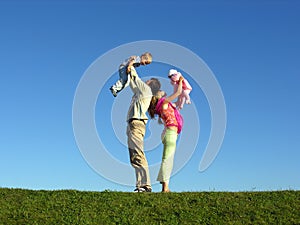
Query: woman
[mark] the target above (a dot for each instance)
(162, 106)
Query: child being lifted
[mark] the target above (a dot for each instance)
(184, 97)
(124, 71)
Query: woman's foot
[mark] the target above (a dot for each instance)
(165, 187)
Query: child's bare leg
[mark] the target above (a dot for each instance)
(186, 94)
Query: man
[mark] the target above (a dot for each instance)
(137, 120)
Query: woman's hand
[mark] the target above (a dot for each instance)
(181, 78)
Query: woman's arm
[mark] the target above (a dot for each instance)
(177, 93)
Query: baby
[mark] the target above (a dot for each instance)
(124, 70)
(184, 97)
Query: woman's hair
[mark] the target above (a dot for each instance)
(151, 110)
(152, 106)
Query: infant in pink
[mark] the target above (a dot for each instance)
(184, 97)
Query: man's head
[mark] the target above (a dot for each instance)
(154, 84)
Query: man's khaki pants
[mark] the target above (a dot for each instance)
(135, 133)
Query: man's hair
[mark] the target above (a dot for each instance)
(154, 85)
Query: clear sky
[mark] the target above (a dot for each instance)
(252, 48)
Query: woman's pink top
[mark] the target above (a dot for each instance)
(167, 115)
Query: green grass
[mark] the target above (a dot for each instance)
(19, 206)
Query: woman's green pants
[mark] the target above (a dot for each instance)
(169, 142)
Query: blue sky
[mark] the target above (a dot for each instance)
(252, 47)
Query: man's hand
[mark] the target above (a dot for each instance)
(132, 58)
(130, 63)
(128, 69)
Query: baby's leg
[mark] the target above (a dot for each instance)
(127, 82)
(186, 94)
(123, 77)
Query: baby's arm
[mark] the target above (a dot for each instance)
(177, 93)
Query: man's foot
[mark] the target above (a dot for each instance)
(113, 91)
(143, 189)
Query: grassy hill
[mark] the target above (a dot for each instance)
(19, 206)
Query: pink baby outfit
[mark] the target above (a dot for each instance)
(184, 97)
